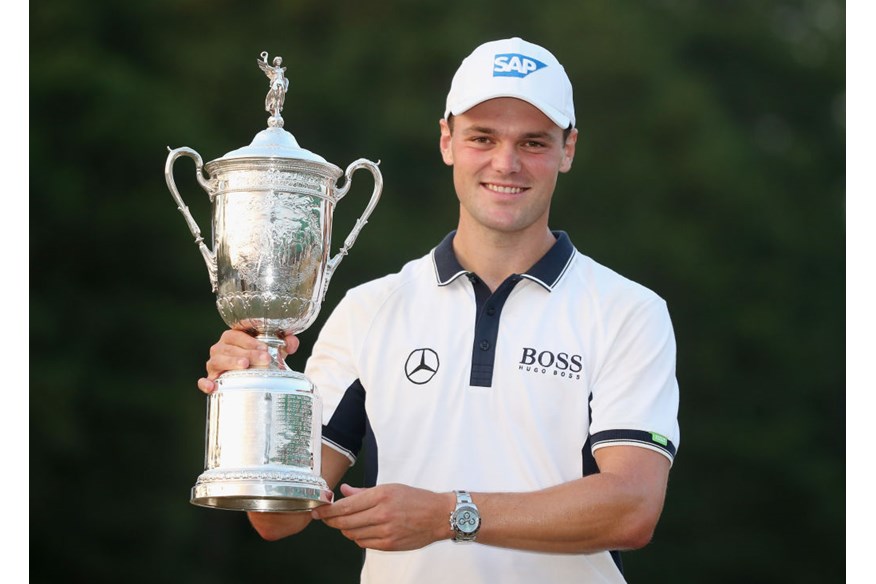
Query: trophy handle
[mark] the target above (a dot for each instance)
(209, 256)
(332, 264)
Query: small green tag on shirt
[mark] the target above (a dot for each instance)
(659, 439)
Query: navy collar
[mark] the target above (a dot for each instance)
(547, 271)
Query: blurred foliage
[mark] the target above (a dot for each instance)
(710, 168)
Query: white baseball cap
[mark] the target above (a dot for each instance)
(513, 68)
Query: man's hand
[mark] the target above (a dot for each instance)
(274, 526)
(238, 350)
(390, 517)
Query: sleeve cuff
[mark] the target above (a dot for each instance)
(639, 438)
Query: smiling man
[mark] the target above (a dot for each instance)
(517, 401)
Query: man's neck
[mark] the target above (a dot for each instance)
(494, 256)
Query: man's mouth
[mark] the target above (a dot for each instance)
(505, 190)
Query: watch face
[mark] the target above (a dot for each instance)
(467, 520)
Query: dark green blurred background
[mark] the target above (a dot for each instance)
(710, 168)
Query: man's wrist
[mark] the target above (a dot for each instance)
(448, 504)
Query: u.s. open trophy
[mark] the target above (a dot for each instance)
(272, 205)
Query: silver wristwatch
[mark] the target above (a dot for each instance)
(465, 520)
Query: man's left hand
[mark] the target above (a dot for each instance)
(390, 517)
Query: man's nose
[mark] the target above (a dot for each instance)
(506, 159)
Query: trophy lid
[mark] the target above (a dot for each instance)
(274, 142)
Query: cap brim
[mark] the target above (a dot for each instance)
(553, 114)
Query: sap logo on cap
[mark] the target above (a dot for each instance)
(515, 65)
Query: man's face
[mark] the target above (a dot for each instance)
(506, 156)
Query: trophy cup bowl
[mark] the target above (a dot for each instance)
(269, 265)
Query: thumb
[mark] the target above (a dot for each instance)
(347, 490)
(292, 344)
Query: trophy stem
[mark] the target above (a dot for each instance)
(274, 345)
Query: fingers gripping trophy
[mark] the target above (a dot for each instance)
(269, 265)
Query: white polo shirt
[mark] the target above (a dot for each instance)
(450, 387)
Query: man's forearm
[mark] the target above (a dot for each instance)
(615, 509)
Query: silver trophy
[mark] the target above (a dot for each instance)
(272, 205)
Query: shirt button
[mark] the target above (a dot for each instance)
(485, 345)
(491, 311)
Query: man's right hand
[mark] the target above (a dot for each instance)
(238, 350)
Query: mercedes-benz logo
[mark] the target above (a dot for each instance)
(421, 366)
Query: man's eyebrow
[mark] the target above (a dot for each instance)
(544, 136)
(479, 130)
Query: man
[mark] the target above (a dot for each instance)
(517, 400)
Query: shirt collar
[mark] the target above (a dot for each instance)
(547, 271)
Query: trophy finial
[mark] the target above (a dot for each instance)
(278, 87)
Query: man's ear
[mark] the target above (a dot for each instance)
(569, 151)
(444, 142)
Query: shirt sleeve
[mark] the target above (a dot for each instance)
(635, 392)
(332, 367)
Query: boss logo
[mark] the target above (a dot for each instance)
(515, 65)
(549, 363)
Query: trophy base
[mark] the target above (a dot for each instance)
(263, 444)
(260, 494)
